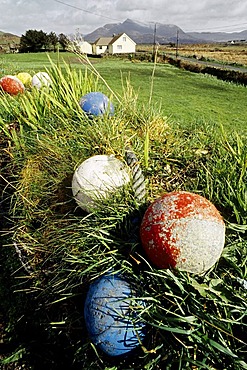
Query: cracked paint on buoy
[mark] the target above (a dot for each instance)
(183, 230)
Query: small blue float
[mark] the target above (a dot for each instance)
(111, 319)
(96, 104)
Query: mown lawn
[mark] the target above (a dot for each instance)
(186, 98)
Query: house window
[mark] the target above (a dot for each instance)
(100, 47)
(119, 47)
(124, 38)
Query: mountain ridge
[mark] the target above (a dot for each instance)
(147, 33)
(139, 32)
(150, 32)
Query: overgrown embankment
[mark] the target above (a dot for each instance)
(222, 73)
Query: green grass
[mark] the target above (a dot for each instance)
(30, 62)
(184, 97)
(192, 320)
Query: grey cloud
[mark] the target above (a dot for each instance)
(50, 15)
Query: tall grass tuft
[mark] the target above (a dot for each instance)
(194, 322)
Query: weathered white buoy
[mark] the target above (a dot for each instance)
(41, 79)
(97, 178)
(183, 230)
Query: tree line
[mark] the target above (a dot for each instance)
(34, 41)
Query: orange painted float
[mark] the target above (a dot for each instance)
(12, 85)
(183, 230)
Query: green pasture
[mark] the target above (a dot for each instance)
(184, 97)
(188, 132)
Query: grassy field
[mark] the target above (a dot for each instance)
(186, 98)
(220, 52)
(188, 132)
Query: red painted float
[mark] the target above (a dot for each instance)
(12, 85)
(183, 230)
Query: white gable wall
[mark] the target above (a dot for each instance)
(122, 45)
(85, 47)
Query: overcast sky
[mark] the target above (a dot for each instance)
(68, 17)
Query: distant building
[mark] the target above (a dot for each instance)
(84, 47)
(101, 44)
(237, 42)
(118, 44)
(121, 43)
(13, 48)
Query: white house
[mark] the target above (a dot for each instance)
(100, 45)
(121, 43)
(85, 47)
(118, 44)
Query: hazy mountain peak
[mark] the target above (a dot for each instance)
(141, 32)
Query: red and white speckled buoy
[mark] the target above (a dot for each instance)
(183, 230)
(12, 85)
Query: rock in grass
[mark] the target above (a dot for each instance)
(183, 230)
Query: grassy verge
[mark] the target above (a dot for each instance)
(193, 322)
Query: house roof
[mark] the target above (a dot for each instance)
(103, 41)
(115, 38)
(81, 43)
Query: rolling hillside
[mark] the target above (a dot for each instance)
(220, 36)
(7, 39)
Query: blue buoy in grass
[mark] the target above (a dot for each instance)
(96, 104)
(111, 319)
